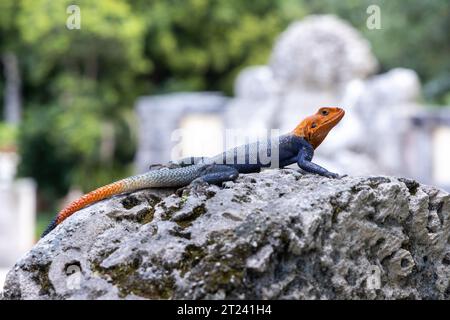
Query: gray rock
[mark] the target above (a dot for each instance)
(278, 234)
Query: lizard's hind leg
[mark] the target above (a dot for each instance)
(217, 173)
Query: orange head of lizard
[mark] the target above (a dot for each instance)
(315, 128)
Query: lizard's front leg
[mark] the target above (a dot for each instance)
(287, 162)
(304, 162)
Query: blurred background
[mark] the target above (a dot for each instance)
(94, 92)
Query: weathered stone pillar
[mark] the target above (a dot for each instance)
(160, 115)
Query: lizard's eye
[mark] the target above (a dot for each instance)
(314, 125)
(324, 112)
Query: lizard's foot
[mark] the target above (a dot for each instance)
(156, 166)
(198, 186)
(199, 182)
(159, 166)
(327, 174)
(331, 175)
(217, 173)
(185, 162)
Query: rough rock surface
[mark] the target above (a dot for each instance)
(278, 234)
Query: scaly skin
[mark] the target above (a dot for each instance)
(152, 179)
(295, 147)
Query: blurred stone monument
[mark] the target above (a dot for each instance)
(163, 118)
(17, 213)
(318, 61)
(323, 61)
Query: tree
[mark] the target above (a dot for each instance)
(8, 56)
(81, 85)
(202, 44)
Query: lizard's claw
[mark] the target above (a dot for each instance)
(156, 166)
(159, 166)
(332, 175)
(198, 185)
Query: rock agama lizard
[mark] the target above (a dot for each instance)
(295, 147)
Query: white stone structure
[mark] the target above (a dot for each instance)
(17, 213)
(321, 52)
(159, 118)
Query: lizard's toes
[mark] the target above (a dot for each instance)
(198, 185)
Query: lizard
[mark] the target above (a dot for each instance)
(296, 146)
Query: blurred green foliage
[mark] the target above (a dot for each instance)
(202, 44)
(79, 86)
(8, 136)
(414, 34)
